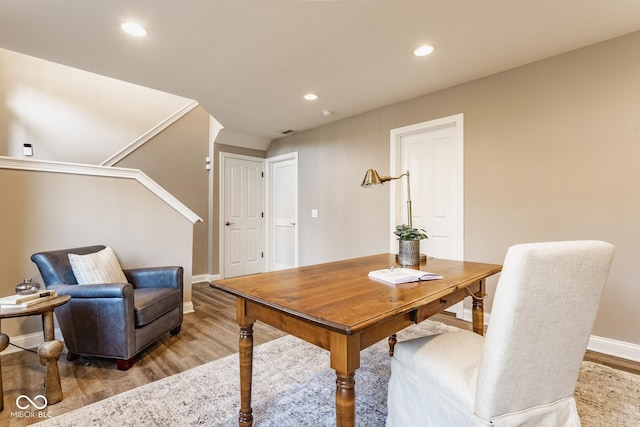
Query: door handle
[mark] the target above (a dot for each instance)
(292, 223)
(228, 223)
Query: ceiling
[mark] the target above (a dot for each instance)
(249, 62)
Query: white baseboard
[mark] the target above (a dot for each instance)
(187, 307)
(28, 341)
(204, 278)
(468, 316)
(622, 349)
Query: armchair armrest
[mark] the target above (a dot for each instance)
(107, 290)
(155, 277)
(98, 320)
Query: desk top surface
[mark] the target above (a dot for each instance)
(341, 293)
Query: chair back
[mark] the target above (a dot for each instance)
(542, 316)
(55, 268)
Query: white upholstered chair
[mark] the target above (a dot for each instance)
(524, 372)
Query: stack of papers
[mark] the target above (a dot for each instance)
(402, 275)
(21, 301)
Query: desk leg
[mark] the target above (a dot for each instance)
(245, 347)
(345, 359)
(245, 418)
(478, 309)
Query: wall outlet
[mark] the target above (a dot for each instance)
(27, 149)
(314, 213)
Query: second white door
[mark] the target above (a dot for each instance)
(282, 212)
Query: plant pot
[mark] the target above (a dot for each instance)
(409, 252)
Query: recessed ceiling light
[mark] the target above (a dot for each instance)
(311, 96)
(134, 29)
(423, 50)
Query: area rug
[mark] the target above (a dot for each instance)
(294, 386)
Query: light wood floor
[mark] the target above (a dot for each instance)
(208, 334)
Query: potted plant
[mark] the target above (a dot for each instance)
(409, 244)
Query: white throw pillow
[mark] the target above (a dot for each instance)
(98, 267)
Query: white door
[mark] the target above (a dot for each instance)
(433, 154)
(242, 215)
(282, 212)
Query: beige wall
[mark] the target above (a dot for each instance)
(75, 116)
(72, 115)
(175, 159)
(47, 211)
(551, 153)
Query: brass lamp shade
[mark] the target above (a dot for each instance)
(372, 178)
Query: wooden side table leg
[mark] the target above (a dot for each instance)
(49, 351)
(4, 343)
(245, 418)
(47, 330)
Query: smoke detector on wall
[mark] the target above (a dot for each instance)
(327, 113)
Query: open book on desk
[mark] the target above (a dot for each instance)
(402, 275)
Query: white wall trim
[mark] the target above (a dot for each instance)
(187, 307)
(142, 139)
(200, 278)
(28, 341)
(622, 349)
(106, 171)
(214, 130)
(467, 315)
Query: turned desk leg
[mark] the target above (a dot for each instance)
(245, 418)
(345, 360)
(345, 399)
(4, 343)
(478, 309)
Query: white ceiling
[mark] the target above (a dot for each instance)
(248, 62)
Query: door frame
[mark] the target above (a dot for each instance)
(221, 227)
(396, 199)
(269, 208)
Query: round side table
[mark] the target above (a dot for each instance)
(49, 351)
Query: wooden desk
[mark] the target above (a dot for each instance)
(337, 307)
(49, 351)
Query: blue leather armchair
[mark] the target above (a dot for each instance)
(115, 320)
